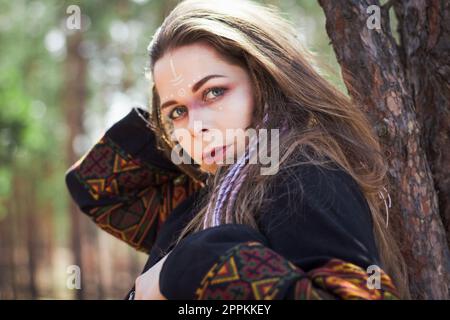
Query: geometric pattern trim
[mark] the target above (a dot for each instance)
(252, 271)
(131, 199)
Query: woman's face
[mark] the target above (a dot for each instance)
(204, 102)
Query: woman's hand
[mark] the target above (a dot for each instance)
(147, 284)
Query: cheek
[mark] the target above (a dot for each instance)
(239, 110)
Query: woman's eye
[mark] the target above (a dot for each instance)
(176, 113)
(208, 95)
(213, 93)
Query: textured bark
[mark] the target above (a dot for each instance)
(425, 32)
(377, 79)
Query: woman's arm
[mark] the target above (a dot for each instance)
(126, 185)
(234, 262)
(318, 247)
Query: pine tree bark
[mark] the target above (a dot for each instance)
(424, 27)
(392, 83)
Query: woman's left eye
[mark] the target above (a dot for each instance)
(215, 91)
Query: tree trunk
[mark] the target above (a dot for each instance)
(383, 80)
(30, 222)
(8, 287)
(74, 100)
(425, 32)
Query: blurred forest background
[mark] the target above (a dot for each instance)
(60, 90)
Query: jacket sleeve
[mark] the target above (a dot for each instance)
(126, 185)
(320, 250)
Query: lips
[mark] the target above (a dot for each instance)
(214, 153)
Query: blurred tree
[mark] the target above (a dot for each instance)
(74, 101)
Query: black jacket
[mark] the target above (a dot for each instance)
(313, 242)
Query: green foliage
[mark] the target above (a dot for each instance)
(33, 52)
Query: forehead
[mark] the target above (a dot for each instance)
(181, 67)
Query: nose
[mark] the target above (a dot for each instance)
(198, 122)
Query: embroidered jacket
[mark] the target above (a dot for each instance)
(314, 242)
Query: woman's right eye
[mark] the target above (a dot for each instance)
(177, 112)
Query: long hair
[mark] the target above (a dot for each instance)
(319, 123)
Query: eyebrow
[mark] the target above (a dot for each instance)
(195, 88)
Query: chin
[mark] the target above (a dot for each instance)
(212, 168)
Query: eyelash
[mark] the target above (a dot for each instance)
(204, 94)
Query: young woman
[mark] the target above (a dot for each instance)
(311, 227)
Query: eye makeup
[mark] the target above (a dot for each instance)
(216, 92)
